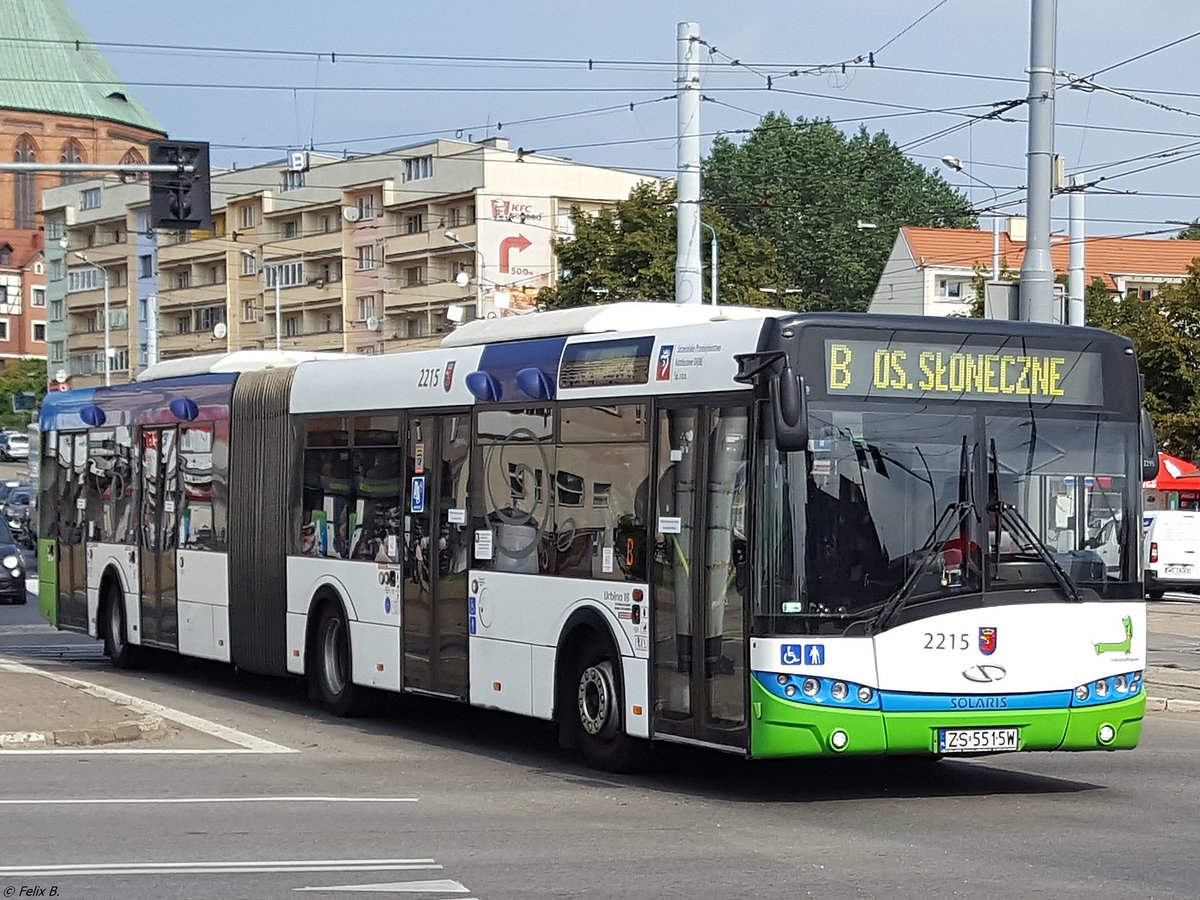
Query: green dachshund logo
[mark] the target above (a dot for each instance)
(1118, 646)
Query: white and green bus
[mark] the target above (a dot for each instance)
(775, 534)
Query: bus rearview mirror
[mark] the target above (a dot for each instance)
(789, 406)
(1149, 442)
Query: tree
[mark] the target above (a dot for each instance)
(628, 253)
(1165, 331)
(805, 186)
(19, 375)
(1190, 233)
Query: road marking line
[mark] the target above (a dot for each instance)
(133, 751)
(118, 801)
(213, 729)
(189, 869)
(442, 886)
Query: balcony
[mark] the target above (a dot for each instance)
(322, 243)
(195, 295)
(113, 253)
(77, 300)
(401, 245)
(414, 298)
(213, 249)
(174, 345)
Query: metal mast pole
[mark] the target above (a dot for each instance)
(688, 274)
(1076, 229)
(1037, 270)
(107, 328)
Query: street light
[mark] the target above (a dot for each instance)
(107, 339)
(474, 248)
(716, 265)
(278, 321)
(953, 162)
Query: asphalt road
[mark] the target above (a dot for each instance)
(467, 803)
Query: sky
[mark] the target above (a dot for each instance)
(257, 99)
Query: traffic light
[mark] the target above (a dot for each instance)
(180, 200)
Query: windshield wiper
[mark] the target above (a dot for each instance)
(1022, 528)
(932, 544)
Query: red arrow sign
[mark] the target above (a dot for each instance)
(509, 244)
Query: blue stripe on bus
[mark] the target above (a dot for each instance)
(896, 701)
(61, 409)
(503, 361)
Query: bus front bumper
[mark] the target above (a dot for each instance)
(785, 728)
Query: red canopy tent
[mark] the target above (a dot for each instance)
(1174, 474)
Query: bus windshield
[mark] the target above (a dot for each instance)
(907, 501)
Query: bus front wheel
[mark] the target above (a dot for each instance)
(595, 709)
(338, 694)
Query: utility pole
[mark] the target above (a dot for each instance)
(688, 274)
(151, 330)
(715, 273)
(1037, 270)
(1075, 232)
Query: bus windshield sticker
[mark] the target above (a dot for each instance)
(483, 544)
(456, 516)
(418, 494)
(917, 369)
(670, 525)
(606, 563)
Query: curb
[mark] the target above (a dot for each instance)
(145, 728)
(1172, 704)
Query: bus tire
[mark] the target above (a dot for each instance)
(336, 691)
(594, 709)
(117, 648)
(1155, 595)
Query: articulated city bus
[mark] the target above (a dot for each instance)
(777, 534)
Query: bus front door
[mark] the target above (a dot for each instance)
(700, 574)
(71, 568)
(157, 538)
(435, 555)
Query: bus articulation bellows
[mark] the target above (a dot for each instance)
(770, 533)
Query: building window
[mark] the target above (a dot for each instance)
(949, 289)
(72, 153)
(54, 229)
(414, 275)
(56, 310)
(3, 329)
(366, 257)
(216, 274)
(414, 327)
(133, 157)
(38, 296)
(418, 167)
(39, 331)
(248, 311)
(330, 224)
(292, 181)
(366, 308)
(291, 229)
(366, 206)
(58, 270)
(209, 317)
(146, 266)
(25, 185)
(58, 351)
(332, 322)
(82, 279)
(5, 255)
(249, 265)
(248, 217)
(291, 326)
(287, 274)
(414, 224)
(330, 272)
(183, 324)
(183, 278)
(90, 199)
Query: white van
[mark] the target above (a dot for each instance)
(1171, 552)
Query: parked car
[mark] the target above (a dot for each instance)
(14, 446)
(12, 570)
(1172, 552)
(18, 512)
(7, 487)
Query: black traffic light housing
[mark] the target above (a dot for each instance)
(180, 200)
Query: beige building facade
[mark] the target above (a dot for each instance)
(373, 254)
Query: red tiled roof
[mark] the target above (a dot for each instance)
(1104, 258)
(26, 244)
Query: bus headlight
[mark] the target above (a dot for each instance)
(1102, 688)
(865, 694)
(1082, 692)
(811, 686)
(1121, 684)
(839, 691)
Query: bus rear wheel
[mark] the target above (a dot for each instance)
(595, 709)
(331, 649)
(1155, 595)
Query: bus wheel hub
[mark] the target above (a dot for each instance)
(596, 698)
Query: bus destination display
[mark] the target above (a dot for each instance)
(858, 368)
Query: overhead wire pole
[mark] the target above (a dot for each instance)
(1036, 292)
(689, 278)
(1076, 311)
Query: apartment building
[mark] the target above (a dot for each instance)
(372, 254)
(22, 295)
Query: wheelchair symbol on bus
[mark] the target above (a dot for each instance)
(802, 654)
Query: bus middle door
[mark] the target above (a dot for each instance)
(158, 536)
